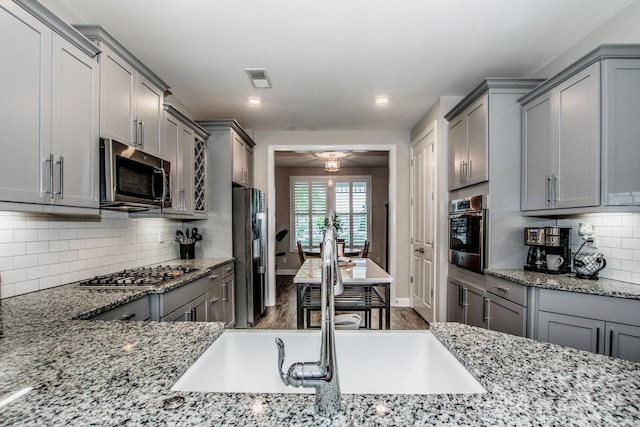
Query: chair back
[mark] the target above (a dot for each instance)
(365, 249)
(300, 252)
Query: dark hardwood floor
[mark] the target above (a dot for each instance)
(283, 314)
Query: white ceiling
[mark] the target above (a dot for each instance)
(328, 59)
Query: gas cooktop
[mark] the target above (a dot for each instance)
(138, 277)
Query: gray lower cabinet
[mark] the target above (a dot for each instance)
(193, 311)
(221, 291)
(595, 323)
(465, 303)
(506, 306)
(134, 311)
(187, 303)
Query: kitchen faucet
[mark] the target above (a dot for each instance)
(322, 375)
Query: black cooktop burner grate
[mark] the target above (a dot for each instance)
(138, 277)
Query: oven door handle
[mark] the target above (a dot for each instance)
(466, 214)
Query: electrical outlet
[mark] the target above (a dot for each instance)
(594, 241)
(284, 260)
(160, 237)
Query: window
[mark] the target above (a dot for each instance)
(314, 198)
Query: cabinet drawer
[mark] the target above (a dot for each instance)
(221, 272)
(134, 310)
(508, 290)
(178, 297)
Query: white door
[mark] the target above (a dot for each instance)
(423, 225)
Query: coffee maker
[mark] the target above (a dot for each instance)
(552, 241)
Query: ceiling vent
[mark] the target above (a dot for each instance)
(259, 78)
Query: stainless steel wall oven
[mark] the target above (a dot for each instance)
(466, 233)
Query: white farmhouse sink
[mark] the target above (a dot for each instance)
(369, 362)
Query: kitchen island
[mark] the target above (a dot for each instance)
(119, 373)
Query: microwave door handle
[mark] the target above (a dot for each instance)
(158, 172)
(164, 185)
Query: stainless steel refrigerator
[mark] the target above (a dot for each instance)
(250, 252)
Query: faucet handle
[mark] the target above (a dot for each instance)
(283, 376)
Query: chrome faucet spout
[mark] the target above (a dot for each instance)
(323, 374)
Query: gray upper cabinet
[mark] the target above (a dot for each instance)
(242, 161)
(131, 95)
(184, 147)
(53, 137)
(579, 136)
(233, 141)
(468, 139)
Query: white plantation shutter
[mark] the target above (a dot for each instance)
(314, 198)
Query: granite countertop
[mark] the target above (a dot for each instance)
(568, 282)
(119, 373)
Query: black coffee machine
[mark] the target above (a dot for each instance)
(543, 241)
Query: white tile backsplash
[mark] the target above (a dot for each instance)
(618, 237)
(40, 251)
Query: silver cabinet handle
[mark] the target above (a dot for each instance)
(610, 342)
(228, 269)
(224, 293)
(50, 161)
(127, 316)
(214, 300)
(461, 173)
(214, 276)
(554, 180)
(548, 190)
(502, 288)
(61, 163)
(188, 315)
(135, 127)
(469, 171)
(598, 339)
(142, 133)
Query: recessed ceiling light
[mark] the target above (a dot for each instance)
(254, 100)
(382, 99)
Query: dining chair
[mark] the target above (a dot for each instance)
(300, 252)
(365, 249)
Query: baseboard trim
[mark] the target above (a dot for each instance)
(401, 302)
(286, 272)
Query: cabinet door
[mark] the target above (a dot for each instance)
(75, 140)
(477, 169)
(25, 85)
(455, 302)
(200, 308)
(149, 100)
(537, 153)
(621, 127)
(622, 341)
(458, 153)
(506, 316)
(238, 159)
(117, 97)
(200, 177)
(576, 178)
(185, 169)
(228, 290)
(170, 149)
(248, 166)
(475, 306)
(571, 331)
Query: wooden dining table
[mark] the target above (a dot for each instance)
(315, 252)
(366, 287)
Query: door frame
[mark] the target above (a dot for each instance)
(271, 201)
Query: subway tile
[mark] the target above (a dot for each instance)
(25, 261)
(69, 277)
(85, 233)
(27, 286)
(6, 236)
(611, 242)
(625, 232)
(630, 243)
(25, 235)
(614, 263)
(631, 221)
(49, 258)
(8, 290)
(86, 274)
(50, 234)
(621, 253)
(623, 276)
(60, 268)
(612, 220)
(77, 244)
(49, 282)
(12, 223)
(69, 233)
(94, 262)
(38, 272)
(7, 263)
(635, 278)
(59, 245)
(37, 247)
(12, 249)
(13, 276)
(85, 253)
(37, 222)
(632, 266)
(78, 265)
(68, 256)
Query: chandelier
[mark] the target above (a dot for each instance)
(332, 164)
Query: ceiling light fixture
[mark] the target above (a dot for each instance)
(332, 164)
(382, 100)
(254, 100)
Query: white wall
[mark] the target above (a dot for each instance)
(345, 139)
(40, 251)
(622, 28)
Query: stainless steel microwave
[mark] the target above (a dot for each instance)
(132, 180)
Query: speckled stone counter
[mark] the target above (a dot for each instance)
(118, 373)
(568, 282)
